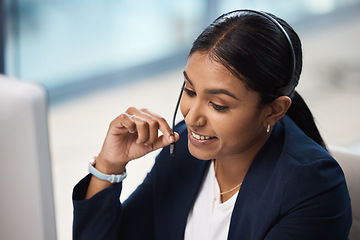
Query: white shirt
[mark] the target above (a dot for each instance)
(209, 218)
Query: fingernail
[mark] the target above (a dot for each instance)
(171, 138)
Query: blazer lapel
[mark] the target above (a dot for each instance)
(182, 187)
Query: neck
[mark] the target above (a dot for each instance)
(231, 171)
(229, 179)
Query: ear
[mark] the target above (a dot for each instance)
(276, 110)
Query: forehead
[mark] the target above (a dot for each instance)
(202, 70)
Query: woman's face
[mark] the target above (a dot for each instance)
(231, 125)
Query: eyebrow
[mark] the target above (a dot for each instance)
(212, 91)
(187, 78)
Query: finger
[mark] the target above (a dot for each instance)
(153, 129)
(163, 141)
(163, 125)
(153, 124)
(123, 123)
(142, 128)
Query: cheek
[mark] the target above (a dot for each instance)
(238, 127)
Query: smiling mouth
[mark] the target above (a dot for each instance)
(200, 137)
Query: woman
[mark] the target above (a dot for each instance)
(250, 162)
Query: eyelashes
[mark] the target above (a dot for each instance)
(217, 107)
(189, 92)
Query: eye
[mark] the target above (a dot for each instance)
(189, 92)
(218, 107)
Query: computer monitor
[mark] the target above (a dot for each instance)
(26, 189)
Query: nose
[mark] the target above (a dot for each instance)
(194, 114)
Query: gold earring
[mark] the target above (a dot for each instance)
(268, 128)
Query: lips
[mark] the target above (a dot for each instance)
(200, 140)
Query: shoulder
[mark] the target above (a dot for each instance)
(311, 170)
(301, 152)
(289, 149)
(299, 146)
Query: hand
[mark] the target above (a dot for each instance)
(132, 135)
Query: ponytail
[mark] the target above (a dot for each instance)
(300, 113)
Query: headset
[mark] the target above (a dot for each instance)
(287, 90)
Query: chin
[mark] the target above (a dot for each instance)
(202, 155)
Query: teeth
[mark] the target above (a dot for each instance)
(199, 137)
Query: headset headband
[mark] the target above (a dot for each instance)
(289, 89)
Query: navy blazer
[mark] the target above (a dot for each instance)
(293, 190)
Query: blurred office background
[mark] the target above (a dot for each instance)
(98, 57)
